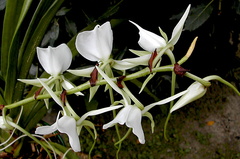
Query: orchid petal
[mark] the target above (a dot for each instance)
(164, 101)
(97, 112)
(121, 117)
(134, 122)
(55, 60)
(142, 60)
(67, 85)
(131, 62)
(195, 91)
(150, 76)
(139, 52)
(43, 130)
(82, 72)
(148, 40)
(178, 28)
(96, 44)
(123, 65)
(68, 126)
(146, 81)
(33, 82)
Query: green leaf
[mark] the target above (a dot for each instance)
(40, 11)
(10, 57)
(198, 17)
(12, 13)
(112, 10)
(2, 101)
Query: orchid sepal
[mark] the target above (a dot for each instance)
(34, 82)
(97, 112)
(164, 101)
(67, 85)
(131, 62)
(85, 72)
(179, 27)
(139, 52)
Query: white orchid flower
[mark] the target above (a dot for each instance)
(150, 41)
(195, 91)
(54, 60)
(96, 45)
(131, 115)
(68, 125)
(65, 124)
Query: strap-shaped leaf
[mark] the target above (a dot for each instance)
(12, 13)
(10, 49)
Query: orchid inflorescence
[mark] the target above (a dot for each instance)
(96, 46)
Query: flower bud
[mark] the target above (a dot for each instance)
(195, 91)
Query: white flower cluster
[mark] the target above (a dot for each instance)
(96, 45)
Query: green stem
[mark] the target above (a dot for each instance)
(124, 137)
(172, 59)
(94, 141)
(215, 77)
(114, 115)
(196, 78)
(86, 85)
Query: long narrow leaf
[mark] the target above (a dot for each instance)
(12, 54)
(12, 13)
(38, 14)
